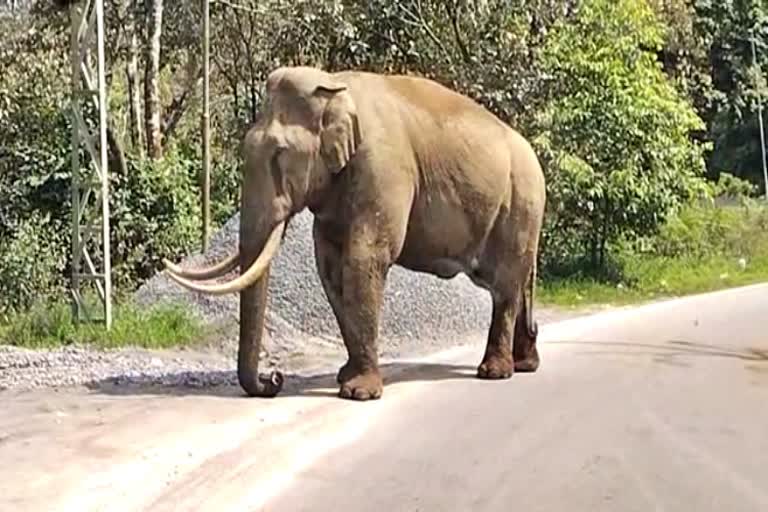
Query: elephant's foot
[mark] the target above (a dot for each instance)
(346, 372)
(530, 363)
(362, 386)
(496, 366)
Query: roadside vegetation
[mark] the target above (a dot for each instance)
(51, 325)
(701, 249)
(643, 112)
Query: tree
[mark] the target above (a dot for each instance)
(152, 104)
(728, 26)
(615, 133)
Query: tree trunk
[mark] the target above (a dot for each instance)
(605, 218)
(116, 155)
(593, 257)
(152, 116)
(132, 77)
(603, 242)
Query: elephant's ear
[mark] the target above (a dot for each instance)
(340, 131)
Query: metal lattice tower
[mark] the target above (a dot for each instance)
(91, 265)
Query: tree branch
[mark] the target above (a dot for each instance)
(179, 104)
(419, 20)
(453, 14)
(237, 7)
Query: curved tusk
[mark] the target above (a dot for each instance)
(217, 270)
(248, 278)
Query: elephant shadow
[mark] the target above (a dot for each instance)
(224, 383)
(323, 384)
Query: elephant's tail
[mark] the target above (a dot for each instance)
(530, 323)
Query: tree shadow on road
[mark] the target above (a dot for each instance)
(224, 383)
(672, 351)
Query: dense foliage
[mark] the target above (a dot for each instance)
(637, 108)
(615, 131)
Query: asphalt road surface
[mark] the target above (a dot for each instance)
(659, 408)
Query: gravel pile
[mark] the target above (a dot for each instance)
(421, 313)
(70, 366)
(417, 308)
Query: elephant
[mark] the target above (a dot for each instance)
(396, 170)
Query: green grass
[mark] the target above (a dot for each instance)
(157, 327)
(655, 278)
(697, 251)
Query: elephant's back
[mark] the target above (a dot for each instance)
(414, 93)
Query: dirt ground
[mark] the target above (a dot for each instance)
(127, 448)
(120, 447)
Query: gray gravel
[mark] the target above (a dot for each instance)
(421, 313)
(74, 365)
(416, 305)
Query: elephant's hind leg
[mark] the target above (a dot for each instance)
(498, 362)
(524, 350)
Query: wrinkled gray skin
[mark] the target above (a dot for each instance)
(397, 170)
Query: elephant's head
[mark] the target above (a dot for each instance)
(308, 132)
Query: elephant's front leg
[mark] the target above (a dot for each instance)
(328, 260)
(363, 277)
(354, 286)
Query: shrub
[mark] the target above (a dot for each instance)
(732, 187)
(156, 212)
(32, 263)
(615, 135)
(155, 215)
(703, 231)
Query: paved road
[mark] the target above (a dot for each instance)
(657, 408)
(662, 409)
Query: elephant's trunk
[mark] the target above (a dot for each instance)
(253, 307)
(255, 241)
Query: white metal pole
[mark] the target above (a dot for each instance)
(88, 180)
(76, 13)
(760, 116)
(102, 84)
(206, 185)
